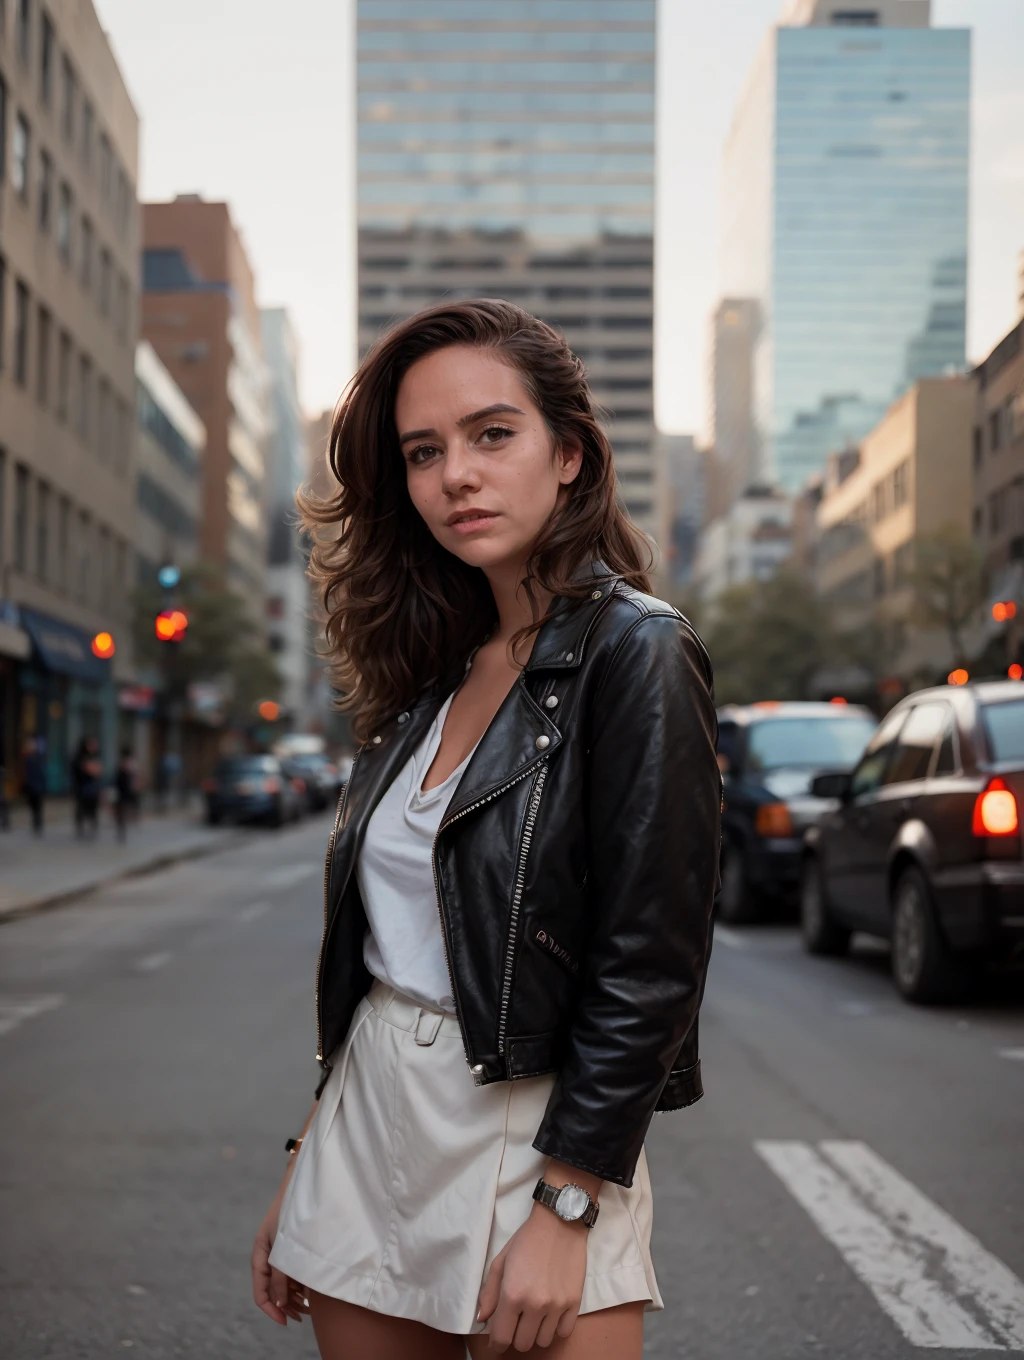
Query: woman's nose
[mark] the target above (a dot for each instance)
(459, 472)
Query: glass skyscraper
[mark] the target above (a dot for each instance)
(845, 220)
(506, 149)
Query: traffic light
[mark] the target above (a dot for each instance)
(171, 625)
(103, 646)
(269, 711)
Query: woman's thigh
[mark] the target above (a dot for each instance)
(344, 1331)
(608, 1334)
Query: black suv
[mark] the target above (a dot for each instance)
(924, 848)
(768, 754)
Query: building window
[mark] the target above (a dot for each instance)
(20, 334)
(63, 376)
(995, 431)
(43, 328)
(123, 304)
(19, 160)
(84, 422)
(67, 107)
(105, 169)
(3, 460)
(23, 31)
(106, 269)
(3, 310)
(977, 446)
(88, 132)
(42, 530)
(900, 485)
(103, 421)
(104, 556)
(995, 514)
(3, 127)
(84, 563)
(64, 211)
(63, 541)
(45, 193)
(20, 518)
(878, 501)
(85, 262)
(47, 46)
(978, 521)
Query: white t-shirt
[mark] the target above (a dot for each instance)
(404, 946)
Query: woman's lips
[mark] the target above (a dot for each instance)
(472, 524)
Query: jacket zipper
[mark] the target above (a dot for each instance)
(327, 880)
(517, 897)
(471, 807)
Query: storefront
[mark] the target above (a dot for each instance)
(15, 648)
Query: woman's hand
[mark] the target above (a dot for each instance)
(277, 1295)
(534, 1287)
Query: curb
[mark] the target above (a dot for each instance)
(86, 889)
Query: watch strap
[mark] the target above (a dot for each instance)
(548, 1196)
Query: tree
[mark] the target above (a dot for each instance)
(949, 584)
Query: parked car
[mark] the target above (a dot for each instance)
(923, 846)
(251, 789)
(318, 777)
(769, 753)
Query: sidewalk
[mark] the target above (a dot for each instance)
(39, 872)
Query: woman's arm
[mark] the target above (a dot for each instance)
(654, 826)
(274, 1293)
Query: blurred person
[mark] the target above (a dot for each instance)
(126, 792)
(33, 780)
(87, 787)
(520, 879)
(5, 809)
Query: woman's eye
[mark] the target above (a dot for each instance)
(495, 433)
(422, 453)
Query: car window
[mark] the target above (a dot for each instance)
(808, 743)
(947, 758)
(1004, 726)
(868, 774)
(918, 738)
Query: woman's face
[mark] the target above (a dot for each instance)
(480, 462)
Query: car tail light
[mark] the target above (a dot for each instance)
(272, 785)
(299, 785)
(773, 819)
(995, 811)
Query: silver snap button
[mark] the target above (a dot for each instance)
(568, 656)
(542, 743)
(403, 717)
(551, 701)
(477, 1069)
(376, 741)
(596, 595)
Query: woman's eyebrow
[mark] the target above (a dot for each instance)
(416, 434)
(499, 408)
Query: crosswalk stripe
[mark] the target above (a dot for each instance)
(973, 1272)
(13, 1010)
(887, 1251)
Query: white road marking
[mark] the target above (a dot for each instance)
(289, 874)
(1014, 1054)
(732, 939)
(252, 912)
(15, 1009)
(933, 1279)
(972, 1272)
(152, 963)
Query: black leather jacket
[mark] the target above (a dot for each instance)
(575, 867)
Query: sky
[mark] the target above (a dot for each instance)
(237, 106)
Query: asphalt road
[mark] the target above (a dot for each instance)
(852, 1185)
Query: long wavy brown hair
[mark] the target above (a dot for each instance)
(401, 611)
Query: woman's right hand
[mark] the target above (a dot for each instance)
(276, 1294)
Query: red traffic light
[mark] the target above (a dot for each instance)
(1003, 610)
(103, 646)
(171, 625)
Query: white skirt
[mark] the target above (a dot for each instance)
(411, 1179)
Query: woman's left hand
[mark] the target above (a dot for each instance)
(535, 1284)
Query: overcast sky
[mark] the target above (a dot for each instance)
(237, 105)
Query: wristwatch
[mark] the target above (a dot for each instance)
(570, 1202)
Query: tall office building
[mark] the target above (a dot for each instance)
(68, 309)
(845, 219)
(507, 150)
(736, 326)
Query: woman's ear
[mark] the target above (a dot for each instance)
(570, 459)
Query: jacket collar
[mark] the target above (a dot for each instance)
(561, 641)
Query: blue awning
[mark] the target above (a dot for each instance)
(64, 648)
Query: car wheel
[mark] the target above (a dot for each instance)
(922, 968)
(736, 903)
(822, 933)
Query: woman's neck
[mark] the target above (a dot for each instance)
(512, 601)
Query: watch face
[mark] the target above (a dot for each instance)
(571, 1203)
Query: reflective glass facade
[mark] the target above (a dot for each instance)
(507, 150)
(846, 222)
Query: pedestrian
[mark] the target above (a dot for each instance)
(520, 884)
(126, 792)
(5, 810)
(33, 780)
(87, 786)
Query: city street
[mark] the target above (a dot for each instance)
(851, 1185)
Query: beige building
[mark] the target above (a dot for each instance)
(912, 478)
(998, 460)
(68, 303)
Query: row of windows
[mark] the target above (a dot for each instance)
(55, 215)
(484, 42)
(152, 418)
(416, 193)
(1003, 426)
(502, 163)
(537, 103)
(518, 12)
(889, 494)
(36, 43)
(168, 512)
(64, 380)
(477, 70)
(1005, 511)
(441, 134)
(61, 545)
(397, 262)
(611, 323)
(555, 293)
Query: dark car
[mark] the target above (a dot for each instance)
(924, 847)
(769, 754)
(250, 789)
(317, 777)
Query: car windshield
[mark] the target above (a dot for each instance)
(809, 743)
(248, 765)
(1004, 724)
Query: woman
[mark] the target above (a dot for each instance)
(519, 883)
